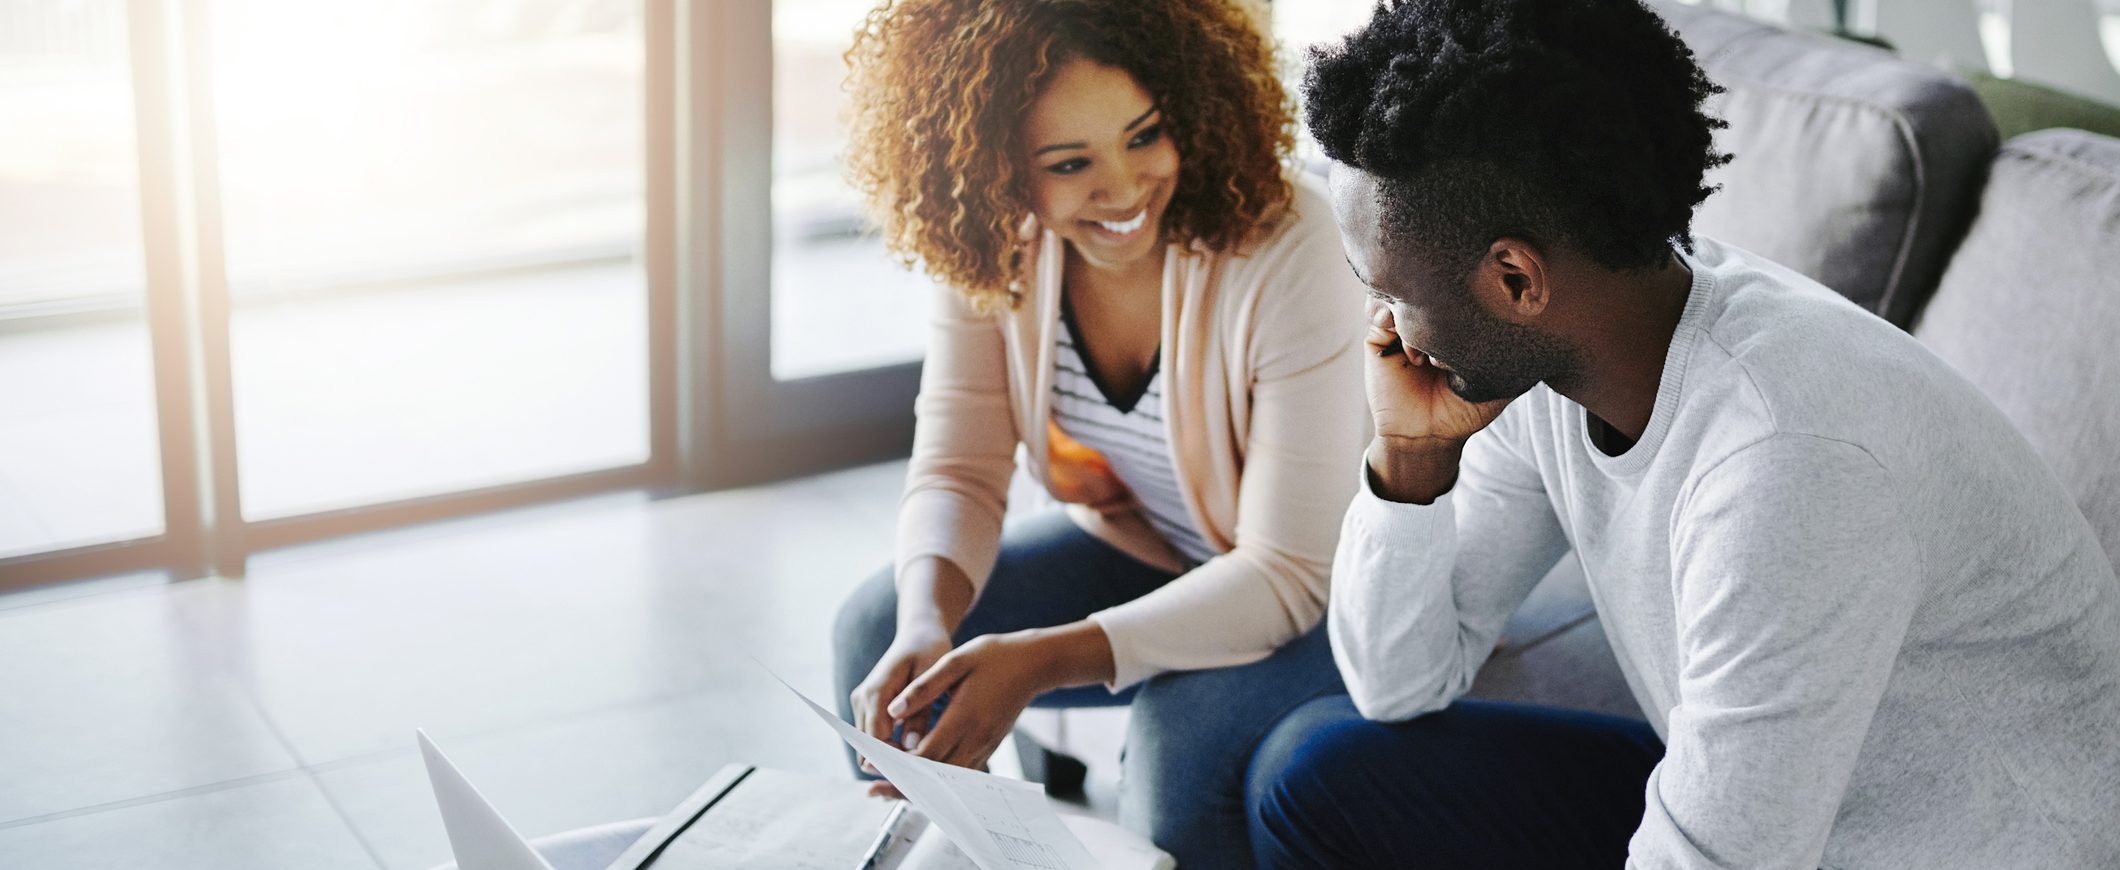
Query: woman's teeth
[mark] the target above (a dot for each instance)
(1122, 228)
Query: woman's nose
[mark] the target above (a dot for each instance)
(1120, 185)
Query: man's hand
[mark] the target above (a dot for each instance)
(1421, 424)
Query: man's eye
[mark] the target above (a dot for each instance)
(1068, 167)
(1146, 137)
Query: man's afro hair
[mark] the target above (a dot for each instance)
(1578, 121)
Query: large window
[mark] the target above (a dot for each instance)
(78, 463)
(276, 271)
(839, 303)
(433, 217)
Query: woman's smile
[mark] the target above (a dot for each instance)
(1120, 231)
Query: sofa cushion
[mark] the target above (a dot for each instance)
(1555, 605)
(2019, 107)
(2029, 309)
(1851, 165)
(1574, 668)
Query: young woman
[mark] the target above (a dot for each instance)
(1140, 307)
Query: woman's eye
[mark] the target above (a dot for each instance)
(1068, 167)
(1146, 137)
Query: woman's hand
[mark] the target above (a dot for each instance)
(916, 649)
(989, 680)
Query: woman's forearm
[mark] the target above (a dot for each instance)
(1076, 654)
(933, 594)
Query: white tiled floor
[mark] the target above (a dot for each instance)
(584, 662)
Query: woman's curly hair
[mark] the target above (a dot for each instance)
(1578, 121)
(940, 89)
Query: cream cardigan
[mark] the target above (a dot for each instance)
(1263, 399)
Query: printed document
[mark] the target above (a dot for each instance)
(1000, 823)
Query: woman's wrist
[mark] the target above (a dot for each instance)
(933, 596)
(1076, 654)
(917, 630)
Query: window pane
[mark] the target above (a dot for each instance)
(827, 271)
(1300, 24)
(78, 455)
(433, 213)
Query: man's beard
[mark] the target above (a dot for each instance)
(1504, 360)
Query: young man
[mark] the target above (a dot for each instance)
(1867, 626)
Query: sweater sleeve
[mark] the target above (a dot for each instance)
(1307, 423)
(964, 444)
(1796, 578)
(1421, 592)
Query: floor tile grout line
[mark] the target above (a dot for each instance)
(159, 797)
(246, 683)
(249, 691)
(376, 755)
(312, 771)
(346, 819)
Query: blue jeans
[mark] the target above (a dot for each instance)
(1191, 732)
(1479, 784)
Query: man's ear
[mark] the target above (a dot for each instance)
(1513, 280)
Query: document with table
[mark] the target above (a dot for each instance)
(1001, 823)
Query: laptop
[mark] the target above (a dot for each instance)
(481, 839)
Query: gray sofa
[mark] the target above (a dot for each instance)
(1883, 179)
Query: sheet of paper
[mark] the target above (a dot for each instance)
(1000, 823)
(920, 846)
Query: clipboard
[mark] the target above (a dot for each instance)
(761, 819)
(642, 854)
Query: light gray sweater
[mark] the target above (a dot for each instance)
(1869, 624)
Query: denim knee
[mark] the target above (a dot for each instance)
(1191, 736)
(1300, 777)
(866, 623)
(1304, 747)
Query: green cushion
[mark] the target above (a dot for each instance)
(2022, 107)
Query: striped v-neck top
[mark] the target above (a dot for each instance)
(1133, 439)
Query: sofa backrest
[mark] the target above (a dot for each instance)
(1852, 165)
(2029, 309)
